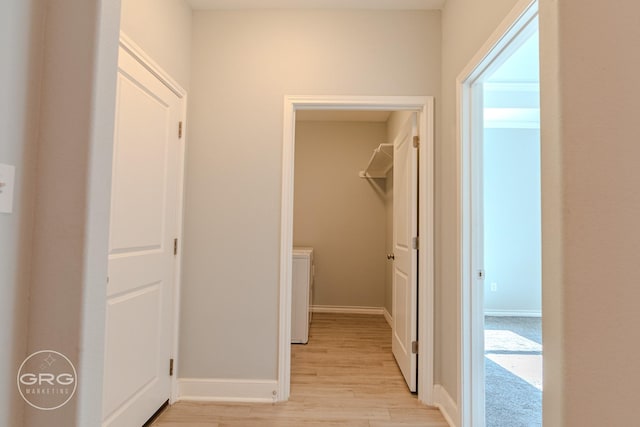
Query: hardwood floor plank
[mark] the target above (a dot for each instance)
(345, 376)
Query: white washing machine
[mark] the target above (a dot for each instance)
(301, 294)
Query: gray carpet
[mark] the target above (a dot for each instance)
(511, 401)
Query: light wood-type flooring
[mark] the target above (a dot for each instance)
(345, 376)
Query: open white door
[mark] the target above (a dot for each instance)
(405, 270)
(144, 212)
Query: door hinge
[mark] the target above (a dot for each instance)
(480, 274)
(416, 141)
(415, 243)
(175, 246)
(179, 130)
(170, 367)
(414, 347)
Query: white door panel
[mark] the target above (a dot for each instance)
(128, 330)
(139, 186)
(127, 270)
(144, 208)
(405, 228)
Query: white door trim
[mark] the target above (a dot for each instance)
(423, 104)
(146, 61)
(469, 144)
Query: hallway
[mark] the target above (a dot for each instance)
(345, 376)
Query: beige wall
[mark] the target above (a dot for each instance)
(466, 25)
(162, 28)
(244, 62)
(381, 187)
(553, 329)
(596, 145)
(21, 24)
(339, 214)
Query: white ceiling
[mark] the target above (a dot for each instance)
(342, 116)
(317, 4)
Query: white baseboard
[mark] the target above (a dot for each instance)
(388, 317)
(226, 390)
(346, 309)
(447, 406)
(513, 313)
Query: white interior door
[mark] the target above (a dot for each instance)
(405, 271)
(144, 208)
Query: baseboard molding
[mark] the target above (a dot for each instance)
(346, 309)
(513, 313)
(226, 390)
(447, 406)
(388, 317)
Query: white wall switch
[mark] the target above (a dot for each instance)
(7, 178)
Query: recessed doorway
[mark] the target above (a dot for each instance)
(355, 214)
(501, 342)
(424, 126)
(512, 241)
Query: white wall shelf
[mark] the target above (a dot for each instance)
(380, 163)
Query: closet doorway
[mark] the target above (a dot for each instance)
(308, 119)
(355, 206)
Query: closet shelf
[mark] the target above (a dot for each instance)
(380, 163)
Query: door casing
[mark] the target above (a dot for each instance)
(426, 260)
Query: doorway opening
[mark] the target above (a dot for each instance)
(512, 241)
(343, 254)
(501, 342)
(295, 106)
